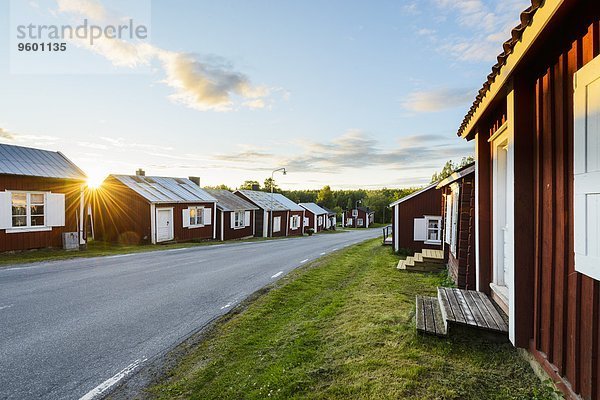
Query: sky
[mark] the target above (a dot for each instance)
(351, 94)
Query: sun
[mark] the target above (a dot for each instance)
(94, 181)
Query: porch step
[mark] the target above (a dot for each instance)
(433, 256)
(429, 316)
(418, 257)
(401, 264)
(435, 316)
(410, 261)
(472, 308)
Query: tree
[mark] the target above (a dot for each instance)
(219, 187)
(377, 201)
(449, 168)
(247, 185)
(270, 182)
(325, 197)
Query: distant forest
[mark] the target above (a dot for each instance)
(340, 200)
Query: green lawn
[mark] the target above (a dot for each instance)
(343, 328)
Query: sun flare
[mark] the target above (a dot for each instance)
(94, 181)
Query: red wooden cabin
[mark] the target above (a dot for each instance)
(137, 209)
(417, 222)
(315, 217)
(41, 198)
(286, 217)
(536, 127)
(360, 217)
(235, 216)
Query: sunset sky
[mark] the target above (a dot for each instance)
(346, 93)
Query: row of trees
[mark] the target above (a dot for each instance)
(339, 200)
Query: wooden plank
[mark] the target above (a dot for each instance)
(429, 318)
(440, 322)
(469, 316)
(420, 316)
(475, 301)
(401, 264)
(487, 303)
(418, 257)
(458, 313)
(409, 261)
(445, 304)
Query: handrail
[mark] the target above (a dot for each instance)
(387, 232)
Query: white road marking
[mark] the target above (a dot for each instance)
(8, 306)
(323, 253)
(303, 261)
(277, 274)
(107, 384)
(334, 249)
(181, 248)
(226, 306)
(121, 255)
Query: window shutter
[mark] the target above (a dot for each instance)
(5, 210)
(207, 216)
(186, 217)
(276, 224)
(232, 219)
(586, 169)
(420, 230)
(247, 218)
(55, 203)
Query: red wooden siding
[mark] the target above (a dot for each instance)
(188, 234)
(462, 267)
(53, 238)
(300, 230)
(425, 203)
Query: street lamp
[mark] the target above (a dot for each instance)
(272, 174)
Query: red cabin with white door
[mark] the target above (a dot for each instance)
(134, 209)
(536, 128)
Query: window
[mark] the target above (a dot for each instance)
(295, 222)
(28, 209)
(349, 222)
(360, 222)
(196, 216)
(276, 224)
(454, 226)
(355, 213)
(320, 221)
(433, 230)
(238, 219)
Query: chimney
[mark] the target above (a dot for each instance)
(195, 179)
(140, 172)
(255, 187)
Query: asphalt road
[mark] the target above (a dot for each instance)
(72, 329)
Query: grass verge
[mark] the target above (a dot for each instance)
(343, 328)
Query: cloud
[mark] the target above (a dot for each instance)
(485, 26)
(4, 134)
(201, 82)
(355, 150)
(437, 99)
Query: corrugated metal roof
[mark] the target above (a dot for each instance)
(18, 160)
(287, 202)
(263, 200)
(158, 189)
(415, 194)
(228, 201)
(508, 46)
(314, 208)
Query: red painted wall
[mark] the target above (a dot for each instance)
(53, 238)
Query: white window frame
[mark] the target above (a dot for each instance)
(278, 224)
(429, 218)
(199, 213)
(28, 227)
(355, 212)
(454, 218)
(360, 222)
(238, 219)
(294, 222)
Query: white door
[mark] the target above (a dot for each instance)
(164, 224)
(502, 221)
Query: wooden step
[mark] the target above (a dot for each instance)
(426, 267)
(410, 261)
(433, 256)
(418, 257)
(429, 316)
(472, 308)
(401, 264)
